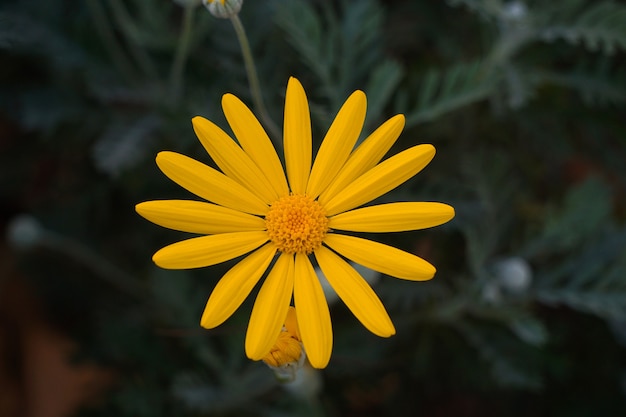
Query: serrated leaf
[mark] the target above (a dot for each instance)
(448, 90)
(381, 85)
(339, 46)
(608, 305)
(585, 209)
(304, 31)
(596, 86)
(599, 26)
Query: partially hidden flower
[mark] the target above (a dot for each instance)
(223, 9)
(253, 208)
(287, 356)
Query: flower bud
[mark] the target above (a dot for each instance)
(514, 274)
(223, 9)
(514, 11)
(287, 349)
(287, 355)
(24, 232)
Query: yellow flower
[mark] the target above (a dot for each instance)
(287, 350)
(286, 357)
(255, 208)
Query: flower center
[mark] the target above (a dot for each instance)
(296, 224)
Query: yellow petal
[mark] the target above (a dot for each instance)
(208, 250)
(355, 292)
(235, 286)
(209, 183)
(198, 217)
(297, 136)
(382, 178)
(382, 258)
(232, 160)
(338, 143)
(312, 311)
(254, 140)
(393, 217)
(270, 308)
(291, 323)
(366, 156)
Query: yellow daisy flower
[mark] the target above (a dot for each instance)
(254, 208)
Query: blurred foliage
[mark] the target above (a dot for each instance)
(524, 101)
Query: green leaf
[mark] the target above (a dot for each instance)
(530, 330)
(606, 304)
(444, 91)
(599, 26)
(597, 85)
(585, 209)
(381, 85)
(508, 369)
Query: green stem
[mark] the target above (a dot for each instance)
(253, 79)
(182, 53)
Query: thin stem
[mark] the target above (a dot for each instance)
(182, 53)
(253, 79)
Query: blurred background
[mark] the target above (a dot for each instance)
(525, 103)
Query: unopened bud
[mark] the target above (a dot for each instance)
(223, 9)
(24, 232)
(514, 11)
(287, 355)
(286, 349)
(514, 274)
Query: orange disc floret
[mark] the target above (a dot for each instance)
(296, 224)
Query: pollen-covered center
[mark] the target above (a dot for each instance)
(296, 224)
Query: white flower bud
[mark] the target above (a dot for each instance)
(514, 11)
(514, 274)
(24, 232)
(223, 9)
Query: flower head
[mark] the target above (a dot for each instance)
(287, 356)
(253, 208)
(223, 9)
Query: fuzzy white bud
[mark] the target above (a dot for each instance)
(515, 11)
(514, 274)
(24, 232)
(223, 9)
